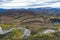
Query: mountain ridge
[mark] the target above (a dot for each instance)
(51, 10)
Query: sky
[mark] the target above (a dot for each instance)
(16, 4)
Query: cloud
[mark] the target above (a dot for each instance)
(9, 4)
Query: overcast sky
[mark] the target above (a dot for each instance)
(9, 4)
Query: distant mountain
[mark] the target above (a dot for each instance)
(51, 10)
(1, 10)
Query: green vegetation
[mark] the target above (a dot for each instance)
(35, 22)
(6, 26)
(51, 36)
(15, 34)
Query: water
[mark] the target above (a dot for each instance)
(55, 20)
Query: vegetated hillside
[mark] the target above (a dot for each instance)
(36, 17)
(37, 20)
(16, 13)
(29, 18)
